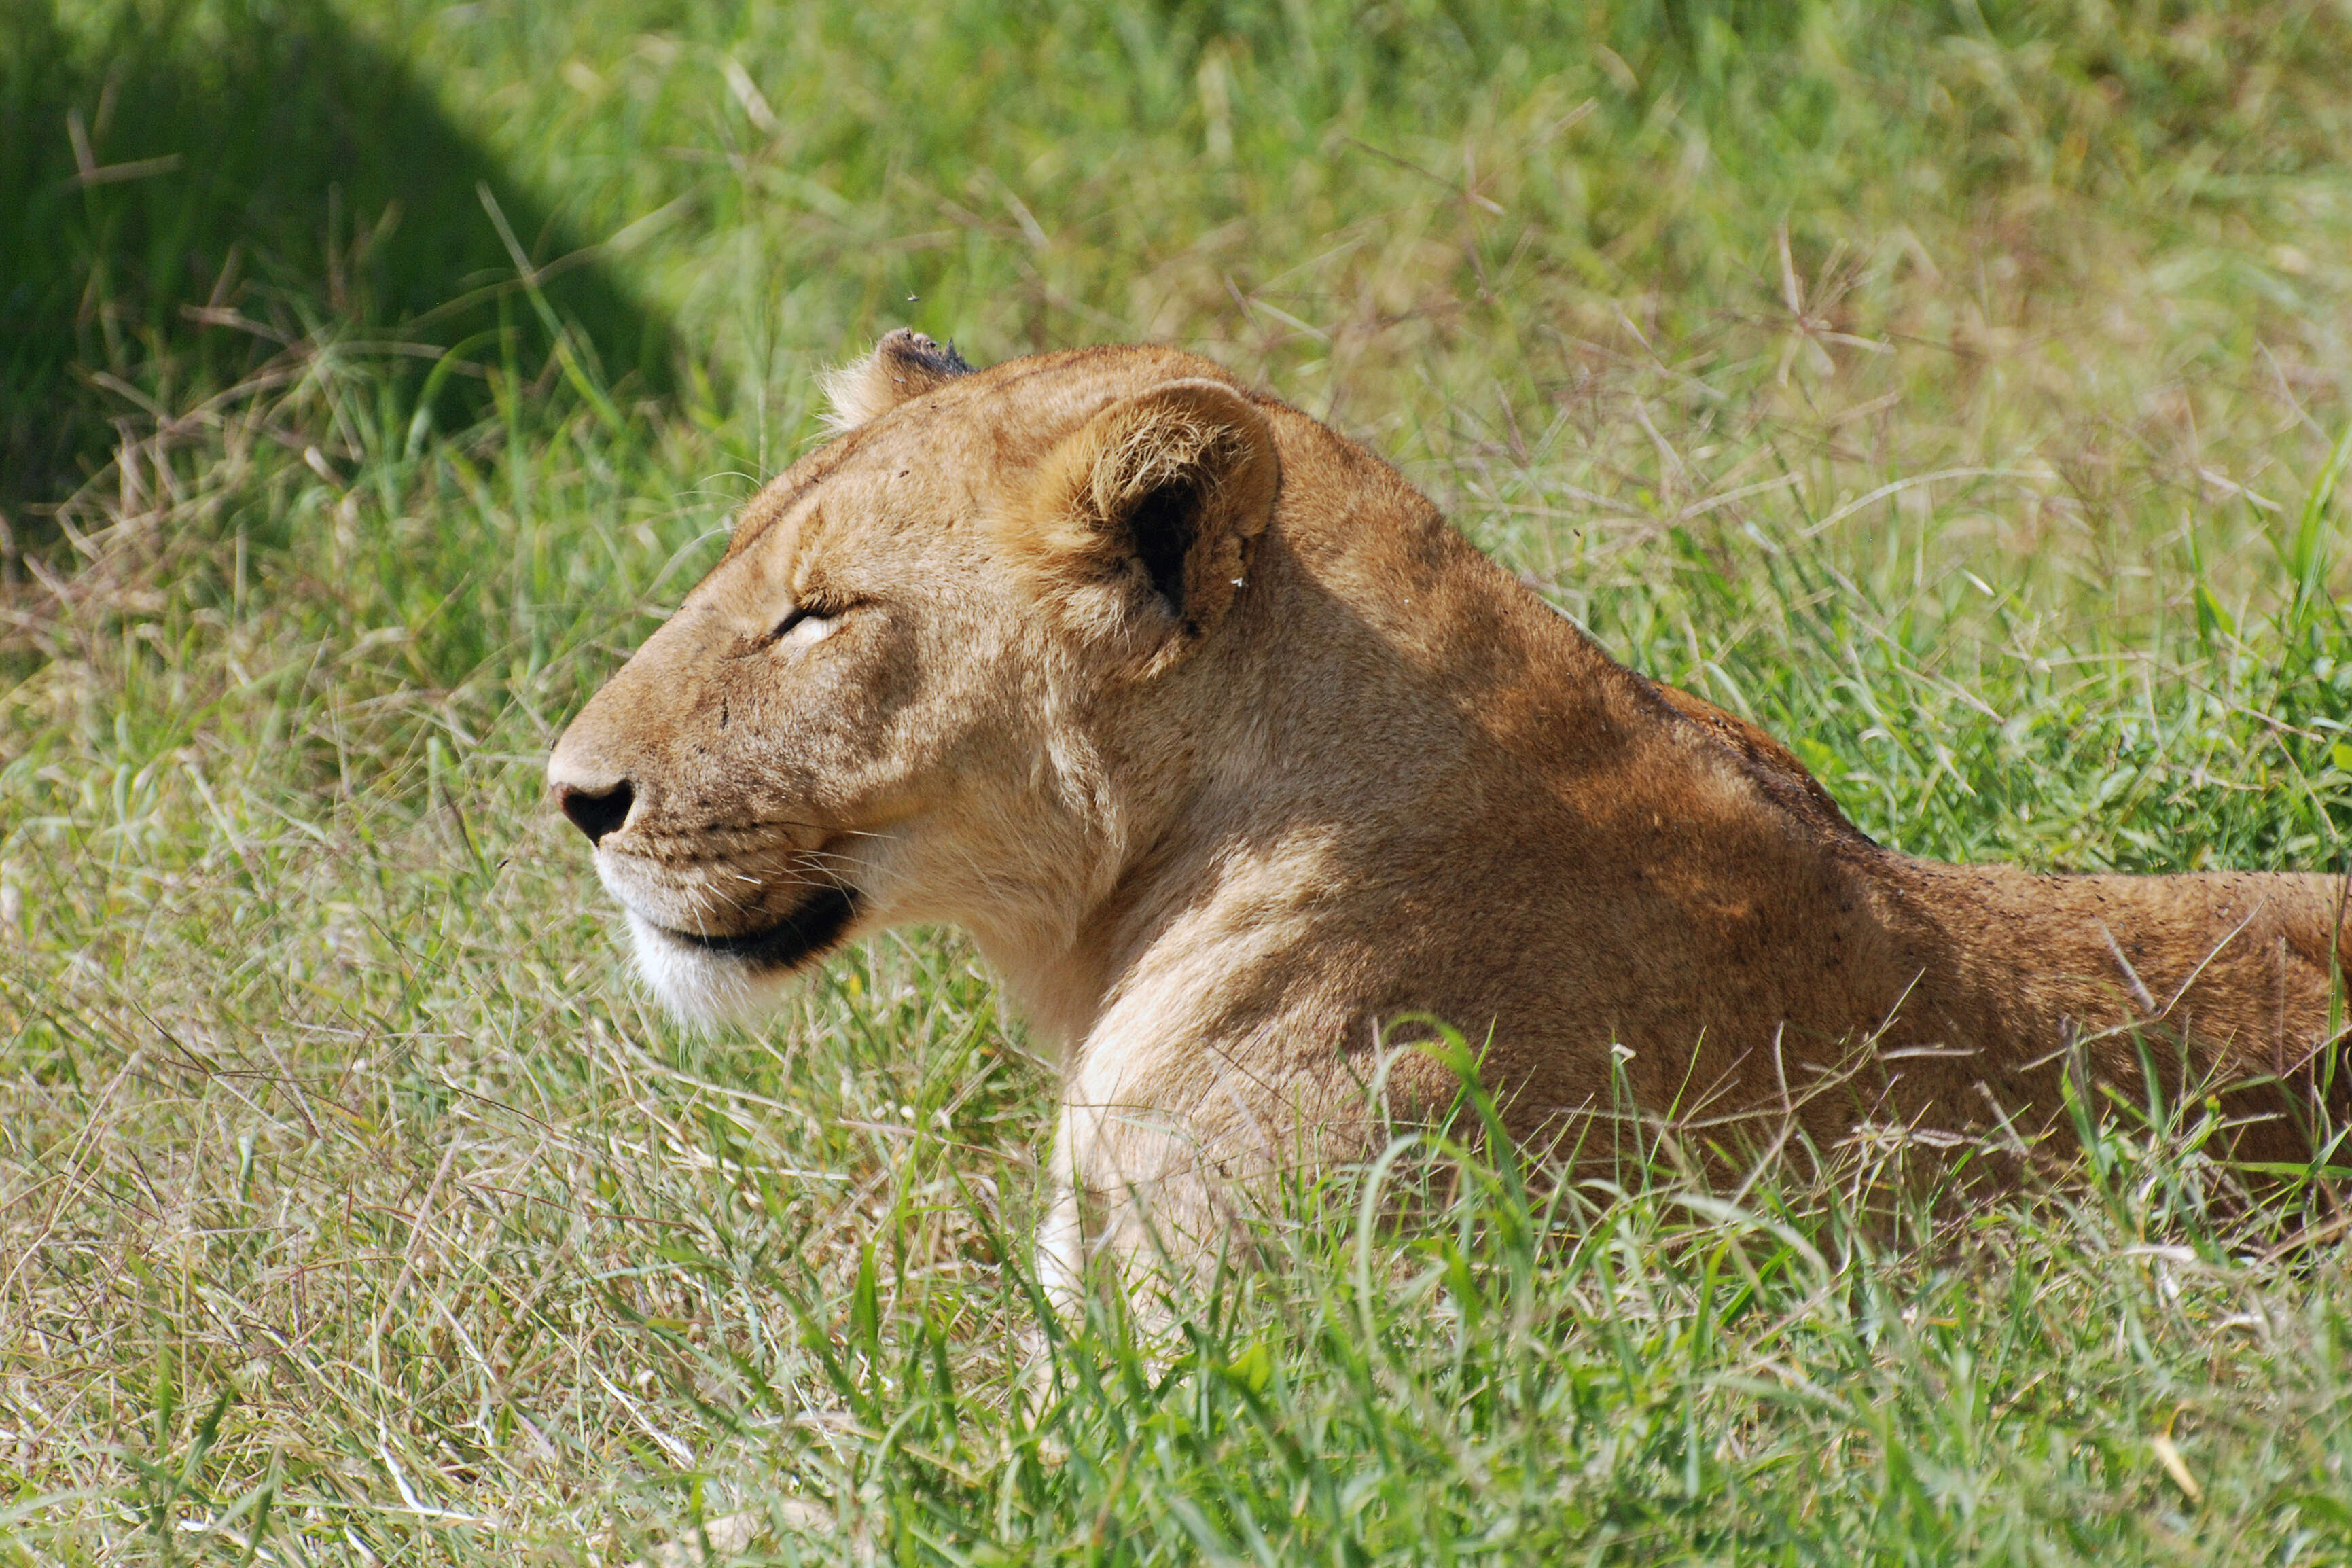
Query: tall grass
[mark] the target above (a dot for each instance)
(1960, 392)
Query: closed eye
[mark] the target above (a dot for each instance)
(805, 626)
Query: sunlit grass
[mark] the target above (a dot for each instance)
(1962, 395)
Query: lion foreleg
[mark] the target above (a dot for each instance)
(1137, 1206)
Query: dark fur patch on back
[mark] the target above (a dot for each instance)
(932, 357)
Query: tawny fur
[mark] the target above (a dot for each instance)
(1227, 750)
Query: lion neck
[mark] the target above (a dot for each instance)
(1383, 704)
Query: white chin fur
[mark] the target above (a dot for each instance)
(703, 987)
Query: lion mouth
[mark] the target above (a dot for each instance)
(807, 931)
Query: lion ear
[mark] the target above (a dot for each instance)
(1141, 519)
(904, 364)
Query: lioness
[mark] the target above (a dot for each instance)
(1227, 750)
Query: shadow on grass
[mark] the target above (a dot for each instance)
(188, 185)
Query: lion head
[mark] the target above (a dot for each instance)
(936, 672)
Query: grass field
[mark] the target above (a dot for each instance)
(1964, 393)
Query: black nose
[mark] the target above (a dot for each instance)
(597, 812)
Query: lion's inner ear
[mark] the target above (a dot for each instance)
(1144, 515)
(904, 364)
(1165, 524)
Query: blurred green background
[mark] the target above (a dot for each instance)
(733, 192)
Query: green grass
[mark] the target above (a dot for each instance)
(194, 186)
(1963, 393)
